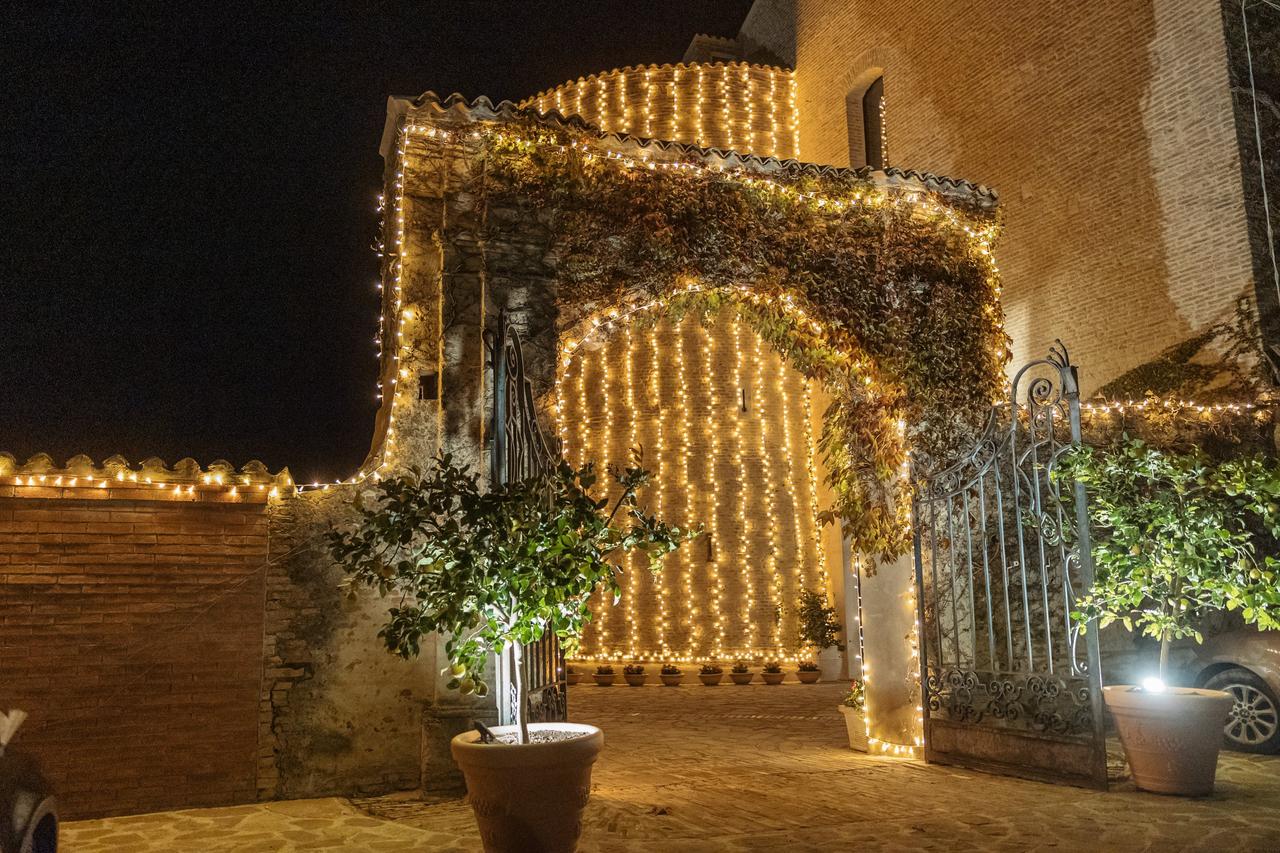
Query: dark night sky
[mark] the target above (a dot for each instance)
(188, 207)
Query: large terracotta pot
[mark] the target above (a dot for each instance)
(529, 798)
(602, 680)
(671, 680)
(635, 679)
(742, 677)
(807, 676)
(855, 726)
(1172, 737)
(773, 677)
(710, 679)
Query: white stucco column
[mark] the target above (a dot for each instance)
(890, 663)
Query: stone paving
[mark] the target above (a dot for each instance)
(752, 769)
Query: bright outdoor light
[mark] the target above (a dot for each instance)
(1152, 684)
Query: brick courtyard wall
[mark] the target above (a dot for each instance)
(131, 632)
(1107, 128)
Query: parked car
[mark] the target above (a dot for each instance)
(1245, 663)
(28, 810)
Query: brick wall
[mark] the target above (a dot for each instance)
(1106, 127)
(131, 631)
(733, 105)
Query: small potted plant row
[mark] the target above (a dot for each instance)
(711, 674)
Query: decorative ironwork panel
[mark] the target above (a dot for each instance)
(997, 580)
(519, 449)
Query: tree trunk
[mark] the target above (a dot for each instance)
(1165, 637)
(1164, 654)
(522, 701)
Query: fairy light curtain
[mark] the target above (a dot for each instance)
(725, 427)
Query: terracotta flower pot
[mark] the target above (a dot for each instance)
(773, 677)
(671, 680)
(1171, 738)
(573, 677)
(856, 726)
(635, 680)
(710, 679)
(742, 677)
(604, 680)
(807, 676)
(530, 796)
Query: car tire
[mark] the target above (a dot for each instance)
(1254, 722)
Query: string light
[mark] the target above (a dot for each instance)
(793, 503)
(686, 554)
(648, 102)
(711, 424)
(699, 136)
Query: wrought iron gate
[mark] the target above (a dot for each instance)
(1008, 683)
(519, 449)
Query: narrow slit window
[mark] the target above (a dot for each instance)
(874, 141)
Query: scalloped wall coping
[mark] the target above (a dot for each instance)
(460, 108)
(186, 476)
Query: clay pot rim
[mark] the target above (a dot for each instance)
(587, 745)
(1125, 696)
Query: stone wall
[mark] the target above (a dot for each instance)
(130, 631)
(338, 714)
(1107, 128)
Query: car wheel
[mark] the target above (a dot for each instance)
(1254, 722)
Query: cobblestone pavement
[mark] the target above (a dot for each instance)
(753, 769)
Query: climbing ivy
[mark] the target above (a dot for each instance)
(906, 329)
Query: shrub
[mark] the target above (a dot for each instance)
(819, 628)
(1175, 536)
(604, 669)
(808, 666)
(670, 669)
(711, 669)
(772, 667)
(740, 667)
(633, 669)
(856, 697)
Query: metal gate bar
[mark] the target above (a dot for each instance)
(520, 450)
(1002, 688)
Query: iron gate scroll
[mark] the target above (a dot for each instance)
(518, 449)
(1008, 683)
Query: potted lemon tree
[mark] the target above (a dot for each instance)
(493, 570)
(1175, 536)
(820, 631)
